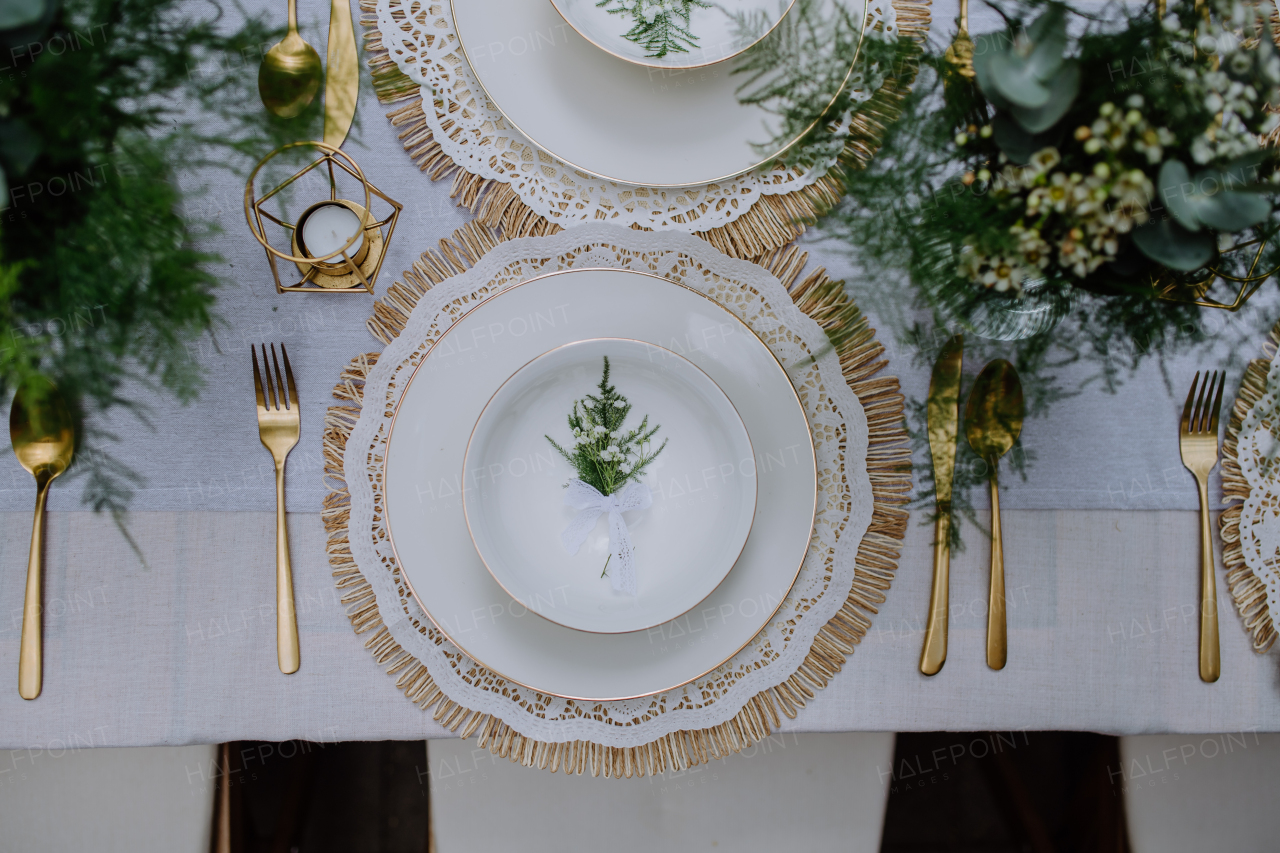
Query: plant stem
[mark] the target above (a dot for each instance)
(606, 565)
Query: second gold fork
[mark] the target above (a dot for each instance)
(279, 421)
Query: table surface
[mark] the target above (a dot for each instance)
(178, 646)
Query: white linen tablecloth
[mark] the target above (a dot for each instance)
(179, 648)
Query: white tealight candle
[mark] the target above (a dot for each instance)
(327, 229)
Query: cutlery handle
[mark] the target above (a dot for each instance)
(997, 632)
(31, 651)
(1210, 662)
(934, 654)
(286, 614)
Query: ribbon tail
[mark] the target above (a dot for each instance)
(623, 576)
(572, 537)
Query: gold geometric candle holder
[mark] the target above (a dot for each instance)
(336, 263)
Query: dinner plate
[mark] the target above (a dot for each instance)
(647, 127)
(423, 483)
(683, 548)
(721, 30)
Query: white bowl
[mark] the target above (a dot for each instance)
(685, 543)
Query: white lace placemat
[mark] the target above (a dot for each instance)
(459, 127)
(740, 701)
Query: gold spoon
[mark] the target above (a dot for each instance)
(289, 76)
(992, 421)
(960, 53)
(43, 435)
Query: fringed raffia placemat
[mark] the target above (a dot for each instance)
(770, 224)
(888, 464)
(1247, 589)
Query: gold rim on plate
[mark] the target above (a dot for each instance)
(409, 585)
(467, 516)
(857, 54)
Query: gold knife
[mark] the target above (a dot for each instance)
(943, 413)
(342, 74)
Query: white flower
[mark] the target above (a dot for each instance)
(618, 404)
(611, 449)
(599, 430)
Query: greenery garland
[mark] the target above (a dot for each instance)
(1087, 164)
(101, 281)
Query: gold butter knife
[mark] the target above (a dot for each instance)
(943, 413)
(342, 75)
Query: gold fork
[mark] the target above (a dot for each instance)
(1199, 443)
(278, 426)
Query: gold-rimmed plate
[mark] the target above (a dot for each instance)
(647, 127)
(683, 544)
(423, 484)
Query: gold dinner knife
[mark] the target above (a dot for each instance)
(342, 75)
(943, 414)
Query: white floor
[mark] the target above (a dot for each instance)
(1195, 793)
(75, 798)
(791, 792)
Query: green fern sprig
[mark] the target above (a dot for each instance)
(604, 455)
(657, 26)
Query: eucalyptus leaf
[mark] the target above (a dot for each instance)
(1229, 211)
(986, 79)
(1049, 34)
(1174, 185)
(1168, 243)
(1014, 141)
(19, 145)
(20, 13)
(1053, 18)
(1062, 93)
(1013, 79)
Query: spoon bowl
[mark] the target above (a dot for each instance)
(289, 76)
(995, 411)
(43, 434)
(992, 422)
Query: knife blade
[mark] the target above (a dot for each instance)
(342, 74)
(943, 417)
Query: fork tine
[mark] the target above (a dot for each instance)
(280, 395)
(288, 375)
(257, 378)
(1199, 423)
(273, 399)
(1217, 404)
(1186, 410)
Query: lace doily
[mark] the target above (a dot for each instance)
(419, 36)
(840, 430)
(1258, 453)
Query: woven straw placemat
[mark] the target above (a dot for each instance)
(888, 464)
(1247, 589)
(772, 222)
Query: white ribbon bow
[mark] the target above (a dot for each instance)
(580, 495)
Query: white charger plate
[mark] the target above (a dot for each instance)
(423, 465)
(648, 127)
(685, 543)
(724, 30)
